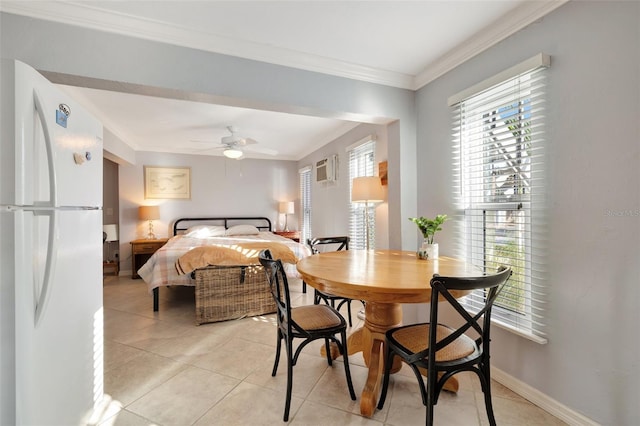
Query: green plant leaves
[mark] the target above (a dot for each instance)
(429, 227)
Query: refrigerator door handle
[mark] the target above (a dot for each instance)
(49, 146)
(40, 300)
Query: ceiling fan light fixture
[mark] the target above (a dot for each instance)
(232, 153)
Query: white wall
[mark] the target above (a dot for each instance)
(219, 187)
(116, 150)
(330, 200)
(592, 361)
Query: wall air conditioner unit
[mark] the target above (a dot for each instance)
(326, 169)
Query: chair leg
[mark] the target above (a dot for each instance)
(489, 406)
(432, 378)
(348, 302)
(347, 370)
(287, 404)
(485, 380)
(388, 361)
(278, 345)
(429, 419)
(304, 287)
(423, 391)
(327, 348)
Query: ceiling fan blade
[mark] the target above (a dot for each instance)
(237, 140)
(246, 141)
(227, 140)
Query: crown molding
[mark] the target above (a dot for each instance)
(87, 16)
(507, 25)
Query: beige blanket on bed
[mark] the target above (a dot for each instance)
(237, 254)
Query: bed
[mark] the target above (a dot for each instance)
(246, 234)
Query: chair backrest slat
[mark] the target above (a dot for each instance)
(277, 284)
(341, 241)
(441, 286)
(279, 287)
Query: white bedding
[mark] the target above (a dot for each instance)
(160, 269)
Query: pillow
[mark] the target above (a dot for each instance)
(242, 230)
(205, 231)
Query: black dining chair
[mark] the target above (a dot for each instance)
(339, 243)
(445, 351)
(309, 323)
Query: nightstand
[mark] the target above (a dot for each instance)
(141, 251)
(110, 268)
(292, 235)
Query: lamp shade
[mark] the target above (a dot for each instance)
(367, 189)
(286, 207)
(149, 212)
(111, 231)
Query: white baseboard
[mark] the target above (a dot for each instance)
(543, 401)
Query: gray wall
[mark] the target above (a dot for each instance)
(330, 200)
(219, 187)
(591, 361)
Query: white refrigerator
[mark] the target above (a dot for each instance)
(51, 327)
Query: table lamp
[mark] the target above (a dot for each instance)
(109, 234)
(149, 213)
(286, 208)
(367, 189)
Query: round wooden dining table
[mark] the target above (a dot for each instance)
(384, 279)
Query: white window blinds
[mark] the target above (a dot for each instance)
(305, 204)
(361, 163)
(498, 136)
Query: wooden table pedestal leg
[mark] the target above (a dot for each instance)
(379, 317)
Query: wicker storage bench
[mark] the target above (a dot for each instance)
(231, 292)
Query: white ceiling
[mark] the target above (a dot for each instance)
(398, 43)
(150, 123)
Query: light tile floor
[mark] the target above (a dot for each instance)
(162, 369)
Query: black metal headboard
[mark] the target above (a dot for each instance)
(182, 224)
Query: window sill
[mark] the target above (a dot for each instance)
(512, 329)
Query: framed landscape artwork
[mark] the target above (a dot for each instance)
(167, 182)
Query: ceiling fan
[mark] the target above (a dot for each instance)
(234, 145)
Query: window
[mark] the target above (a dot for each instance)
(362, 156)
(305, 204)
(499, 141)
